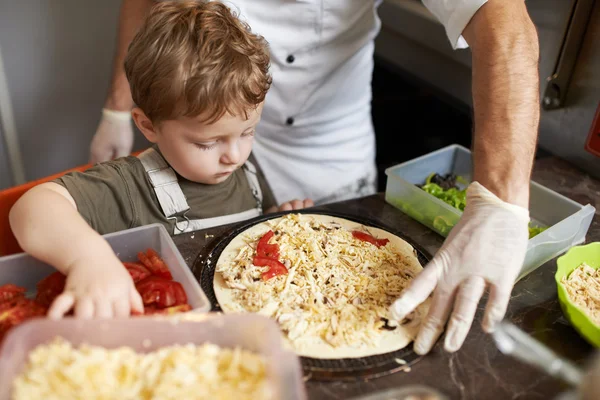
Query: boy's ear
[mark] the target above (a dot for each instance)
(144, 124)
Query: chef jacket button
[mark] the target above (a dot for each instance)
(289, 121)
(290, 59)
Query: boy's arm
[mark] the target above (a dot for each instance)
(48, 226)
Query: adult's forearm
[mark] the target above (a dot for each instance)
(505, 55)
(131, 17)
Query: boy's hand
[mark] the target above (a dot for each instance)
(98, 288)
(292, 205)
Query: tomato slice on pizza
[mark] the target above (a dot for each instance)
(366, 237)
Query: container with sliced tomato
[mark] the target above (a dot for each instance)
(28, 286)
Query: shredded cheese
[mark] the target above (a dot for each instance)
(338, 288)
(583, 289)
(59, 371)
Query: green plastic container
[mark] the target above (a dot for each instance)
(590, 254)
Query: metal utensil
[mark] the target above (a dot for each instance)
(513, 341)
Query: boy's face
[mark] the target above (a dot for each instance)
(201, 152)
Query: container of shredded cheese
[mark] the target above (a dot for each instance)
(217, 357)
(578, 285)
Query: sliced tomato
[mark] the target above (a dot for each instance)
(10, 292)
(161, 292)
(22, 309)
(151, 310)
(365, 237)
(137, 271)
(275, 267)
(8, 304)
(154, 263)
(50, 287)
(265, 249)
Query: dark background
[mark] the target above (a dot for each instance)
(411, 118)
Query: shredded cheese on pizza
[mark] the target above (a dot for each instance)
(583, 289)
(338, 288)
(59, 371)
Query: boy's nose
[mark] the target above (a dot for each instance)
(232, 155)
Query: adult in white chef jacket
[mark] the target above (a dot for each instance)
(316, 137)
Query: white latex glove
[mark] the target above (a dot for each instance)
(113, 138)
(485, 248)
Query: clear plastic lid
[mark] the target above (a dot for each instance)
(249, 331)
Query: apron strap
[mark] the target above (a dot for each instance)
(164, 181)
(197, 224)
(251, 176)
(173, 202)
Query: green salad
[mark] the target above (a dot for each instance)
(447, 189)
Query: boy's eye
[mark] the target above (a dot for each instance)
(207, 146)
(248, 134)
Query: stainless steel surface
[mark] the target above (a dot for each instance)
(558, 83)
(511, 340)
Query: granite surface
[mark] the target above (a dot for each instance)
(478, 370)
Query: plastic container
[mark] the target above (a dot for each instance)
(589, 254)
(250, 331)
(26, 271)
(567, 220)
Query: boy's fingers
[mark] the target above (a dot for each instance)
(103, 308)
(121, 308)
(136, 301)
(84, 308)
(285, 207)
(297, 204)
(61, 305)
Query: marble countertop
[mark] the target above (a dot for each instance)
(478, 370)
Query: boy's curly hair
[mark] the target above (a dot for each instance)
(196, 58)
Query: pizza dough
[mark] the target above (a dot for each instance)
(355, 322)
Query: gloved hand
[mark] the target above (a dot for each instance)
(113, 138)
(486, 247)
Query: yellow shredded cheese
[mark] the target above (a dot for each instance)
(59, 371)
(583, 289)
(338, 288)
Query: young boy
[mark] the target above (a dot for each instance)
(199, 78)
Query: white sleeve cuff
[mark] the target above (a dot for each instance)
(454, 15)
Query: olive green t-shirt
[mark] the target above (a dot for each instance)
(117, 195)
